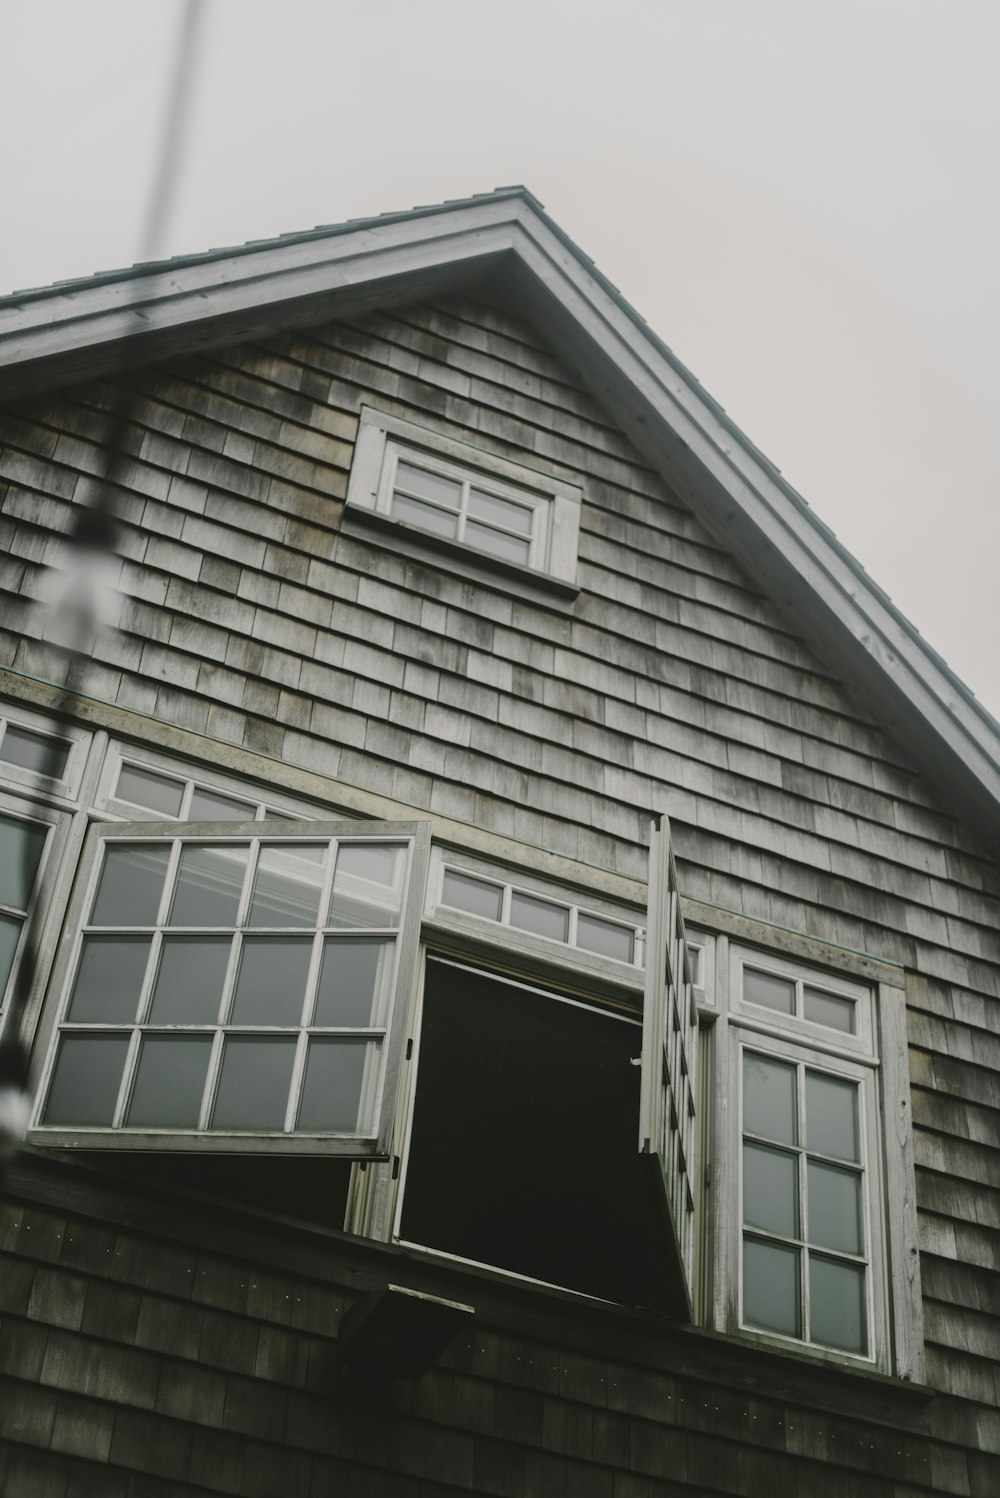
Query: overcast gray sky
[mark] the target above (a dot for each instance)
(799, 195)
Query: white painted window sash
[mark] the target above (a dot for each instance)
(382, 1034)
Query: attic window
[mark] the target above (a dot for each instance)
(445, 497)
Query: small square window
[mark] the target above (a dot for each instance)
(444, 494)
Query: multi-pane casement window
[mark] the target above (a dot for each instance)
(236, 988)
(465, 499)
(803, 1084)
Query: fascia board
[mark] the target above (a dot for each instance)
(761, 504)
(40, 334)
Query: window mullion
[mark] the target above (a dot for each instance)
(803, 1188)
(169, 880)
(231, 979)
(128, 1077)
(211, 1080)
(295, 1087)
(149, 978)
(249, 879)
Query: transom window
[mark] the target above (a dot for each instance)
(133, 781)
(43, 753)
(508, 904)
(234, 987)
(35, 752)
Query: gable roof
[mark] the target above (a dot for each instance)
(77, 330)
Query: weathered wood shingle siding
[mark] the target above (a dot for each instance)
(249, 617)
(212, 1373)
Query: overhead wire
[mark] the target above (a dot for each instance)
(75, 611)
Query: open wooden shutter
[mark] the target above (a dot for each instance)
(667, 1132)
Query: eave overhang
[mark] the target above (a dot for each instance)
(85, 329)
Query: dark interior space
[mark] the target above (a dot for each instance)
(312, 1190)
(524, 1149)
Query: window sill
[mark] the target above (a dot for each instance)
(470, 565)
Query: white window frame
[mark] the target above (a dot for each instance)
(373, 1144)
(513, 881)
(261, 805)
(76, 739)
(875, 1060)
(57, 823)
(384, 440)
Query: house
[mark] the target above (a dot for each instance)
(515, 1000)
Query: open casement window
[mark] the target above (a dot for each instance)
(235, 987)
(667, 1134)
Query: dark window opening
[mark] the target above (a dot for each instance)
(524, 1151)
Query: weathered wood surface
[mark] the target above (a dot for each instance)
(212, 1374)
(247, 616)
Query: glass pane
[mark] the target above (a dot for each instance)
(832, 1117)
(35, 751)
(497, 511)
(253, 1087)
(771, 1287)
(474, 895)
(331, 1095)
(209, 883)
(349, 982)
(595, 935)
(271, 986)
(131, 884)
(368, 884)
(213, 806)
(771, 1190)
(438, 522)
(189, 983)
(109, 980)
(766, 989)
(10, 931)
(288, 885)
(695, 958)
(170, 1082)
(497, 543)
(541, 916)
(830, 1009)
(146, 788)
(769, 1098)
(86, 1079)
(428, 485)
(21, 845)
(837, 1312)
(834, 1198)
